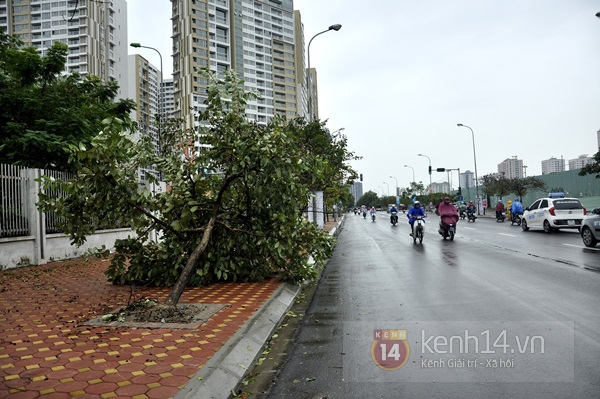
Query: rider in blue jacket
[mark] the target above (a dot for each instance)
(415, 210)
(516, 207)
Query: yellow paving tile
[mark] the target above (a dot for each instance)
(123, 383)
(166, 375)
(108, 395)
(39, 378)
(99, 361)
(43, 349)
(74, 359)
(153, 385)
(77, 393)
(65, 380)
(176, 365)
(170, 348)
(136, 373)
(11, 377)
(47, 391)
(110, 371)
(96, 381)
(57, 368)
(148, 346)
(32, 366)
(113, 353)
(84, 369)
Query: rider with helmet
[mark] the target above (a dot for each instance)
(415, 210)
(499, 209)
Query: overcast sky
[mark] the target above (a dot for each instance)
(400, 74)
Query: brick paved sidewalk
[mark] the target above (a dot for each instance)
(46, 350)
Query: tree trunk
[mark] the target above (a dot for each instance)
(186, 274)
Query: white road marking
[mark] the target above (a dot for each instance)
(469, 228)
(508, 235)
(581, 246)
(375, 243)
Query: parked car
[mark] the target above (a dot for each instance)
(590, 228)
(553, 214)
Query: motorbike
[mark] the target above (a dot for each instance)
(394, 218)
(447, 230)
(471, 216)
(373, 217)
(500, 216)
(516, 218)
(364, 214)
(463, 214)
(418, 229)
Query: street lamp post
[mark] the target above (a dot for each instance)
(524, 170)
(474, 161)
(413, 170)
(388, 187)
(334, 135)
(335, 27)
(423, 155)
(160, 93)
(392, 177)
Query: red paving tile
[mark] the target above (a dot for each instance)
(47, 351)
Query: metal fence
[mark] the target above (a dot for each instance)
(14, 220)
(18, 196)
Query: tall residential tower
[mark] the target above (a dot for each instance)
(95, 31)
(257, 38)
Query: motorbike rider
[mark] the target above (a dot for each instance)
(373, 211)
(471, 207)
(462, 208)
(499, 209)
(516, 208)
(392, 210)
(413, 212)
(508, 209)
(447, 212)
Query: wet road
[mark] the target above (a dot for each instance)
(492, 278)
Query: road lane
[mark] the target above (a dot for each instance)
(378, 274)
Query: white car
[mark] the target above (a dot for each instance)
(553, 214)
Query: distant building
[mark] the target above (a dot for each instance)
(511, 168)
(467, 179)
(553, 165)
(439, 187)
(580, 162)
(356, 190)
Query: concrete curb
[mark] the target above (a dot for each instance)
(227, 368)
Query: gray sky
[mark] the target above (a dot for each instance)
(400, 74)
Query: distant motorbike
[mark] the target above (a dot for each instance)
(500, 216)
(463, 214)
(516, 219)
(418, 229)
(471, 216)
(373, 217)
(394, 218)
(364, 214)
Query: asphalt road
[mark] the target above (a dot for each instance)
(534, 296)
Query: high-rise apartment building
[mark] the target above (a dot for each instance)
(95, 31)
(144, 89)
(580, 162)
(258, 39)
(511, 168)
(467, 179)
(553, 165)
(356, 190)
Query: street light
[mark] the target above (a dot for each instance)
(388, 187)
(475, 161)
(382, 193)
(392, 177)
(413, 169)
(334, 135)
(335, 27)
(524, 170)
(423, 155)
(160, 93)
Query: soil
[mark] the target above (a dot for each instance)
(149, 311)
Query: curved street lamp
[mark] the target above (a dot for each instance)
(474, 161)
(413, 169)
(423, 155)
(334, 27)
(392, 177)
(388, 187)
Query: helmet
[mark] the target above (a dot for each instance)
(516, 199)
(417, 203)
(500, 201)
